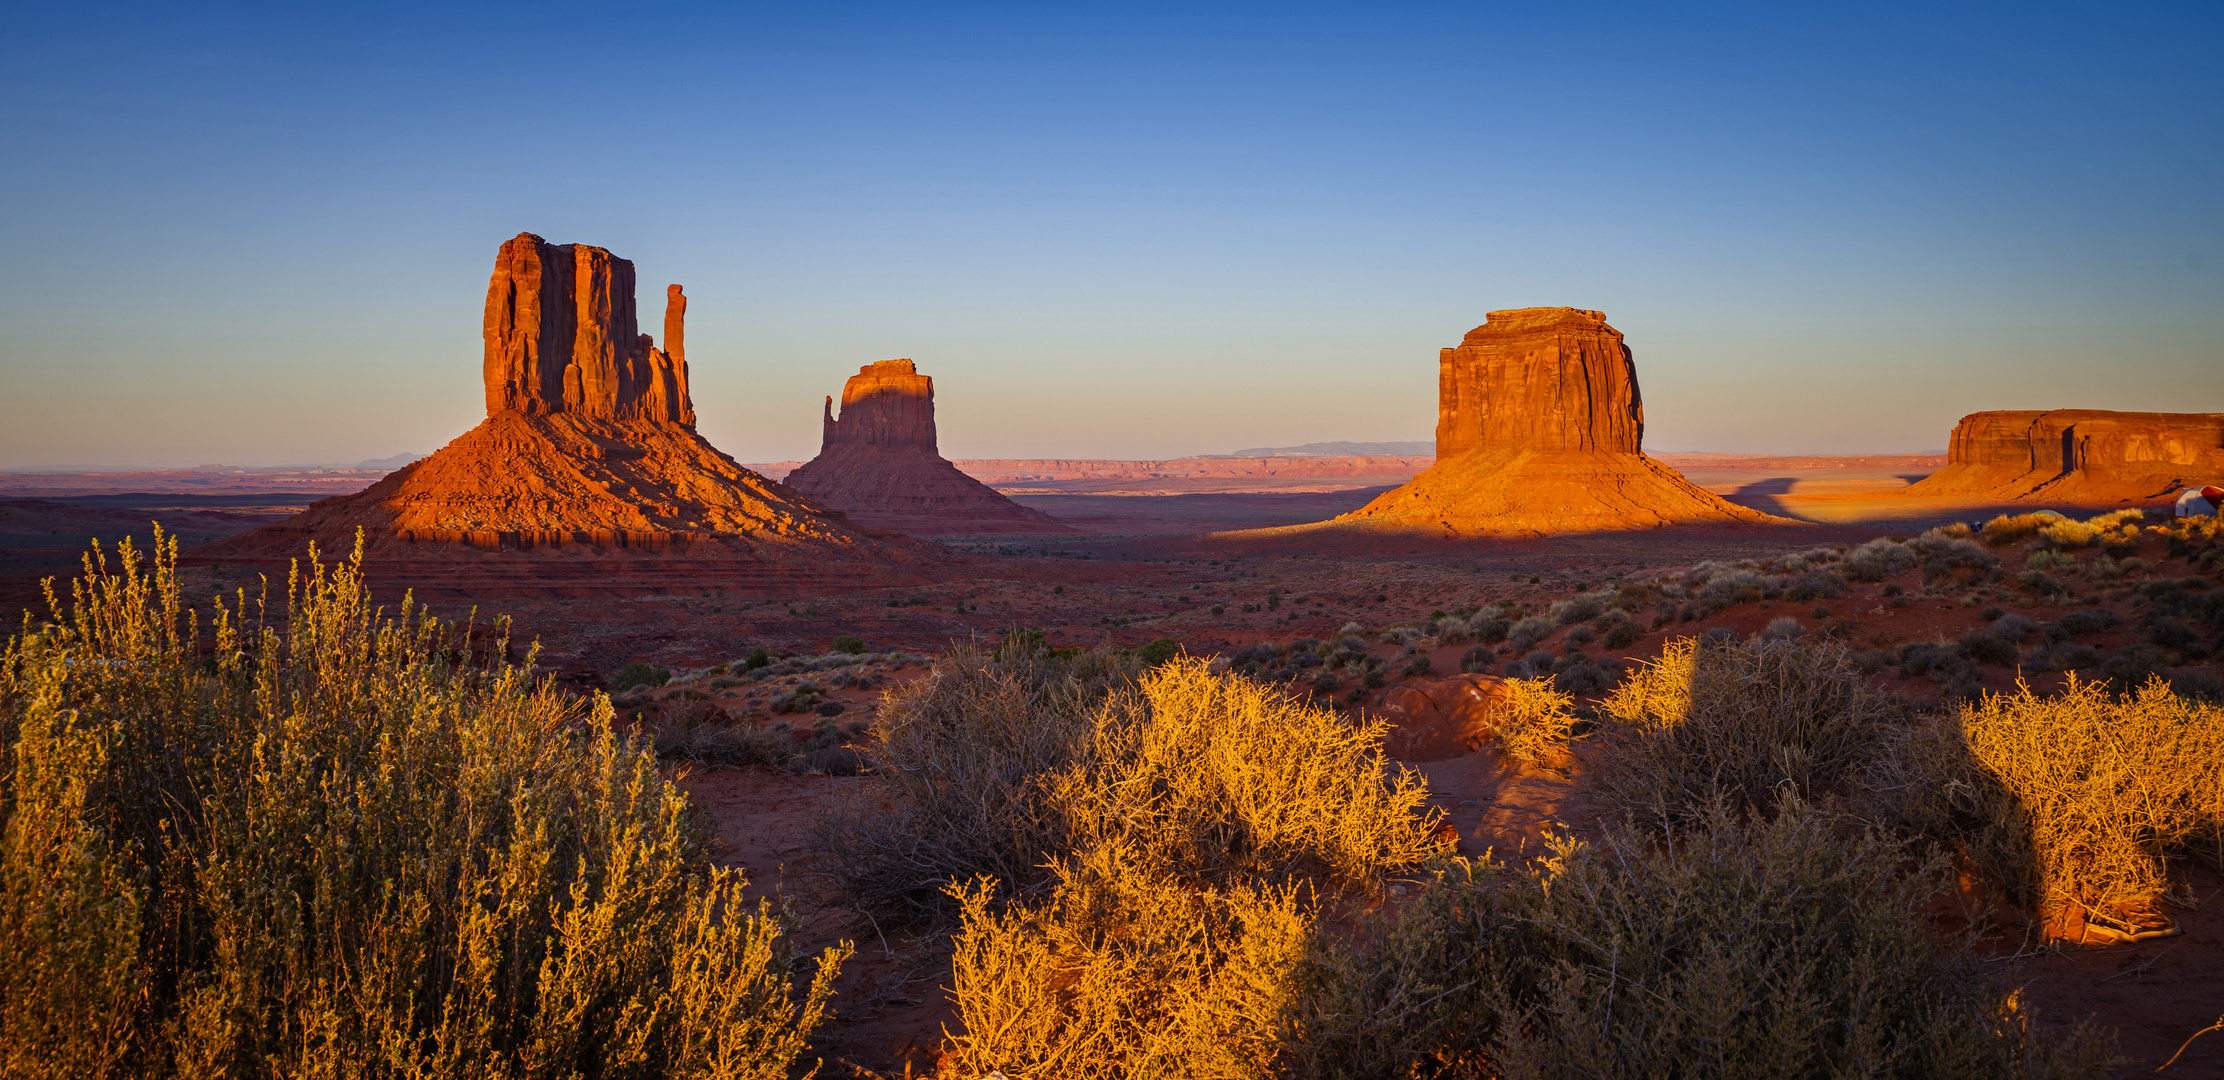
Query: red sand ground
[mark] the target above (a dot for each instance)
(1148, 574)
(893, 1005)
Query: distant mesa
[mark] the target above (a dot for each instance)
(1337, 449)
(878, 463)
(1540, 431)
(2079, 456)
(587, 475)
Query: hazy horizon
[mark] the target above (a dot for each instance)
(261, 236)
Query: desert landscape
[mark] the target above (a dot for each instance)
(1114, 681)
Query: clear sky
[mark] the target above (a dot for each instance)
(261, 235)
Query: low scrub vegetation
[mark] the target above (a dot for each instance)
(1186, 908)
(999, 767)
(1534, 719)
(1739, 720)
(1744, 946)
(2069, 801)
(323, 841)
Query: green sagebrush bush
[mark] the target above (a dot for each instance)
(321, 842)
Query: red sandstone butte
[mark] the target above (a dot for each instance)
(2077, 456)
(879, 464)
(1540, 431)
(587, 476)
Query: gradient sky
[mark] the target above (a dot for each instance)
(261, 235)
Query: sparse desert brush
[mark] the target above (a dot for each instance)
(1123, 972)
(328, 839)
(969, 754)
(1739, 720)
(1201, 811)
(1879, 559)
(1418, 991)
(1778, 947)
(691, 731)
(1531, 630)
(639, 674)
(2106, 787)
(2008, 528)
(1201, 776)
(2115, 528)
(1534, 720)
(1784, 945)
(1658, 692)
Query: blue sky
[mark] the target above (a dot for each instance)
(261, 235)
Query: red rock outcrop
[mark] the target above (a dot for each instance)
(1539, 379)
(2086, 456)
(587, 468)
(1540, 431)
(562, 337)
(878, 463)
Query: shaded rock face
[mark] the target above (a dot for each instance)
(885, 404)
(878, 463)
(587, 477)
(2077, 455)
(1540, 431)
(562, 336)
(1539, 379)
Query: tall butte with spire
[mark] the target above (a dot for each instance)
(878, 463)
(1540, 430)
(587, 476)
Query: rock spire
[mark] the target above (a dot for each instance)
(587, 477)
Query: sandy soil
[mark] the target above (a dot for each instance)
(1148, 573)
(893, 1006)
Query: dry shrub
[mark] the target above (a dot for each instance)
(1741, 947)
(333, 847)
(1779, 948)
(1207, 777)
(1418, 990)
(1659, 691)
(1534, 720)
(2109, 527)
(2009, 528)
(1740, 719)
(2102, 790)
(694, 732)
(1203, 808)
(1121, 972)
(970, 756)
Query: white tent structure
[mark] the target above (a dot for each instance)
(2200, 501)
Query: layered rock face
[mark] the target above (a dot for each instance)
(562, 337)
(1540, 431)
(1539, 379)
(878, 463)
(2077, 456)
(587, 477)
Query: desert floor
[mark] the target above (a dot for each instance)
(1143, 566)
